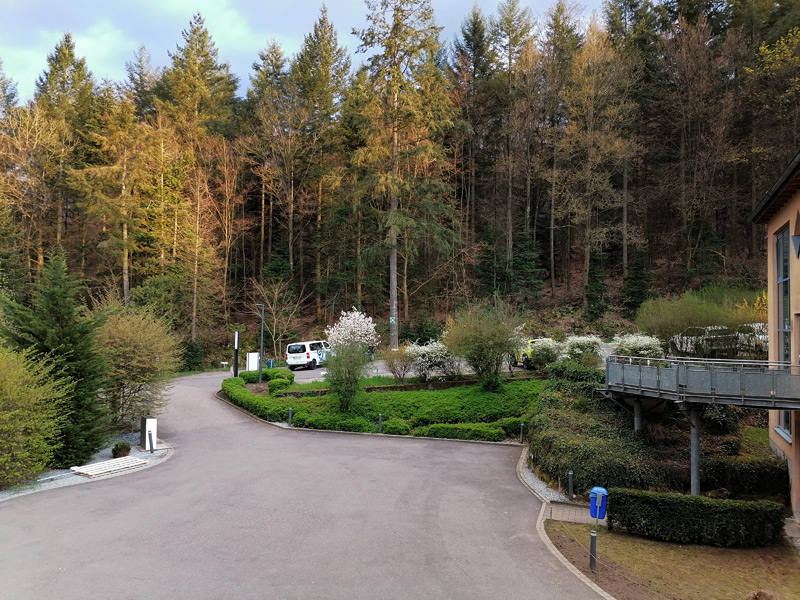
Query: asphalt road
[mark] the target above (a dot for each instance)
(246, 510)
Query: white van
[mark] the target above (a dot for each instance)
(307, 354)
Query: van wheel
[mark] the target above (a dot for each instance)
(291, 368)
(312, 365)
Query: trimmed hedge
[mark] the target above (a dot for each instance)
(265, 407)
(594, 461)
(462, 431)
(695, 519)
(267, 375)
(762, 476)
(396, 427)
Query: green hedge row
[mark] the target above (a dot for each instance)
(742, 476)
(267, 375)
(266, 407)
(462, 431)
(695, 519)
(593, 461)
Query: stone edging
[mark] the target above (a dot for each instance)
(543, 534)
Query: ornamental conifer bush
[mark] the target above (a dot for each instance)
(53, 326)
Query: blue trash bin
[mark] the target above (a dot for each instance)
(598, 498)
(270, 363)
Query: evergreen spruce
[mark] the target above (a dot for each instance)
(52, 326)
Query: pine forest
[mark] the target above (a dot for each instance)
(544, 162)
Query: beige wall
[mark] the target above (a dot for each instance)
(788, 215)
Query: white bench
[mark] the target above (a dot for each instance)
(109, 466)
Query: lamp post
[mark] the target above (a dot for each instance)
(261, 343)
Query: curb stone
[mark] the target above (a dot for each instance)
(543, 534)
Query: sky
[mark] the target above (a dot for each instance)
(107, 33)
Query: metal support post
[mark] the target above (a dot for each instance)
(593, 550)
(290, 416)
(236, 354)
(571, 486)
(380, 423)
(694, 426)
(637, 416)
(261, 343)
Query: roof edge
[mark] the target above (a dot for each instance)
(757, 216)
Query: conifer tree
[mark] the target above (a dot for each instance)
(8, 92)
(53, 327)
(198, 89)
(404, 38)
(319, 72)
(142, 82)
(66, 87)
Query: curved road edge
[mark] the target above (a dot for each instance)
(544, 537)
(75, 479)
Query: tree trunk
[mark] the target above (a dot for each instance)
(553, 229)
(318, 254)
(625, 218)
(394, 330)
(261, 233)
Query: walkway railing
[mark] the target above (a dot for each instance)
(758, 384)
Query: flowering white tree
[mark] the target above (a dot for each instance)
(433, 356)
(636, 344)
(348, 337)
(353, 327)
(585, 349)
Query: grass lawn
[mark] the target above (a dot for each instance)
(636, 568)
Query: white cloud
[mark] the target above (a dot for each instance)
(106, 47)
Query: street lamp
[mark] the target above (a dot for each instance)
(261, 344)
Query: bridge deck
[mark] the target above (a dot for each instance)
(752, 384)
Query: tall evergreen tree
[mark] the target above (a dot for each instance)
(319, 72)
(53, 327)
(404, 38)
(198, 89)
(66, 87)
(8, 92)
(512, 33)
(142, 82)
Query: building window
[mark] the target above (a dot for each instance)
(784, 328)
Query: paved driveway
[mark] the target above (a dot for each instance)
(245, 510)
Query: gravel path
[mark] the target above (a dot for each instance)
(56, 478)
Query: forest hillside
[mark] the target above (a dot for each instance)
(551, 163)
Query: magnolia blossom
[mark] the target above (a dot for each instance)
(353, 327)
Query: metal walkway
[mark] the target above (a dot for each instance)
(751, 384)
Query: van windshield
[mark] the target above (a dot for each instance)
(296, 348)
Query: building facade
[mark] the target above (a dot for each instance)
(779, 211)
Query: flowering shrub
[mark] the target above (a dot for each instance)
(348, 337)
(433, 356)
(542, 352)
(583, 349)
(399, 363)
(636, 344)
(353, 327)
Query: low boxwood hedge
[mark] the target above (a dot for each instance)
(266, 407)
(695, 519)
(267, 374)
(462, 431)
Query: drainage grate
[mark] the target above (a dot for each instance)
(109, 466)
